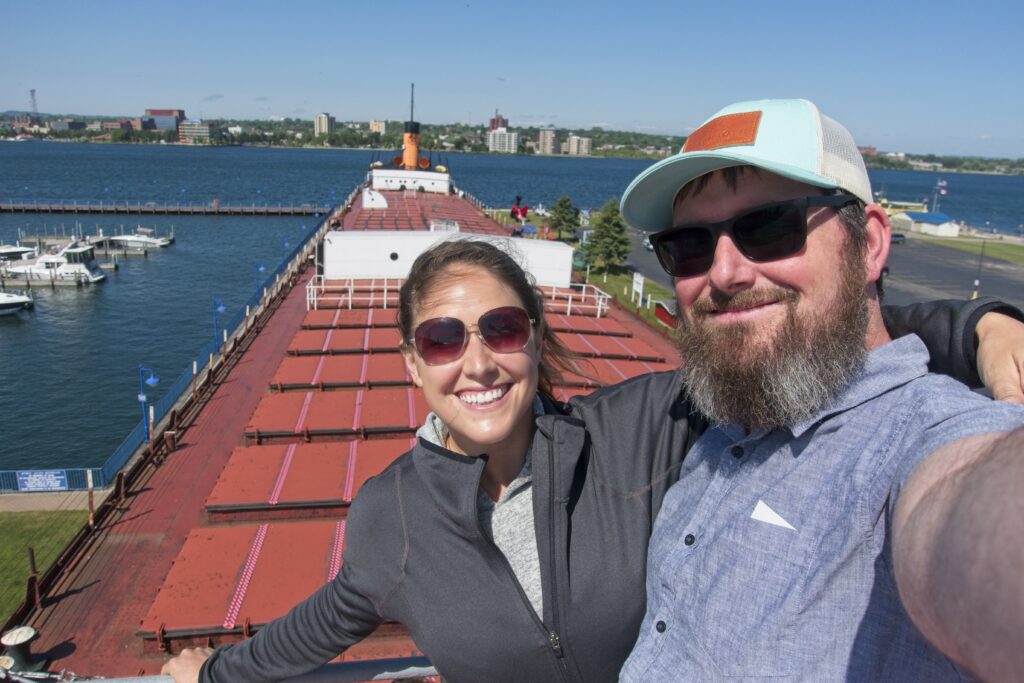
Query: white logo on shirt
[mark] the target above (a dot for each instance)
(763, 513)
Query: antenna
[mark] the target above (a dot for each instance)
(32, 101)
(412, 101)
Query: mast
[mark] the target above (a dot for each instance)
(411, 137)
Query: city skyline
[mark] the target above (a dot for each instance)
(890, 73)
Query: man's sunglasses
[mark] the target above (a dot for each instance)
(765, 233)
(443, 340)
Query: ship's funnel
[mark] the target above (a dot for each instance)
(411, 136)
(411, 145)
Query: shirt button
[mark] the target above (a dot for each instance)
(660, 627)
(737, 451)
(689, 539)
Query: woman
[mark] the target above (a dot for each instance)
(510, 542)
(443, 540)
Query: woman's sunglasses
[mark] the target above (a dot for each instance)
(443, 340)
(766, 233)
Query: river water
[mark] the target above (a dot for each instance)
(69, 369)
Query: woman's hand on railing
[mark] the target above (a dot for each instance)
(185, 667)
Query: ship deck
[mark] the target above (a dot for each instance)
(247, 516)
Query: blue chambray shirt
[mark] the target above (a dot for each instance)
(770, 559)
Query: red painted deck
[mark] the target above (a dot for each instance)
(412, 210)
(247, 517)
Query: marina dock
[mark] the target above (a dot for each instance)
(155, 208)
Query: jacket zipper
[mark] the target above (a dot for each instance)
(554, 640)
(553, 637)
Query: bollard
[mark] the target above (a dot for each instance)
(17, 643)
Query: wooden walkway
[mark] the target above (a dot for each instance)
(154, 208)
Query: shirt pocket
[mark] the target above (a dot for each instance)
(750, 579)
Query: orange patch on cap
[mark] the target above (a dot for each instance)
(729, 130)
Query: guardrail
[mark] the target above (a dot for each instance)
(344, 672)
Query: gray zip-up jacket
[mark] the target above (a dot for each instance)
(416, 554)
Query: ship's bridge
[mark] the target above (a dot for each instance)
(390, 254)
(381, 179)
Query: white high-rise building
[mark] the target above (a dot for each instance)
(500, 140)
(547, 142)
(323, 124)
(578, 146)
(378, 127)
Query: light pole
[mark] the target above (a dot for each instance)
(218, 307)
(977, 279)
(146, 379)
(259, 270)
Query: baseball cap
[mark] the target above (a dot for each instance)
(790, 138)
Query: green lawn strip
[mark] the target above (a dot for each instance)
(620, 279)
(47, 532)
(1014, 253)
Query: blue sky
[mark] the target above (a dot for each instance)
(910, 76)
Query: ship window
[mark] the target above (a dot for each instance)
(394, 256)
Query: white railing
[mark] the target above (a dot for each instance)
(581, 299)
(352, 293)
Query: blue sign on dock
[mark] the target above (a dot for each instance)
(42, 480)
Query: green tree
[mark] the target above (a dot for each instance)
(609, 244)
(564, 216)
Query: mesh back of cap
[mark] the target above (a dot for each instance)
(842, 162)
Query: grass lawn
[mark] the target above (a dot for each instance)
(47, 532)
(620, 279)
(1007, 251)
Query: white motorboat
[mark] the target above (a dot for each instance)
(13, 301)
(74, 264)
(142, 238)
(16, 252)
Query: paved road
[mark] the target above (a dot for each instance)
(918, 271)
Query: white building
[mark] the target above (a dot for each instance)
(937, 224)
(547, 142)
(193, 132)
(500, 140)
(578, 146)
(323, 124)
(378, 127)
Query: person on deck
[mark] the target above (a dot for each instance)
(846, 515)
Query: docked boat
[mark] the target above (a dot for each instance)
(142, 238)
(16, 252)
(13, 301)
(74, 264)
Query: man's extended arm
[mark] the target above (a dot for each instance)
(958, 550)
(976, 342)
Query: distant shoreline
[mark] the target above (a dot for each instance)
(497, 154)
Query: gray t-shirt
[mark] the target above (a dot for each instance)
(770, 557)
(509, 520)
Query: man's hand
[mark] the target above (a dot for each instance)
(185, 667)
(1001, 356)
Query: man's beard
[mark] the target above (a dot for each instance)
(776, 382)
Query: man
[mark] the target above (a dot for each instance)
(835, 468)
